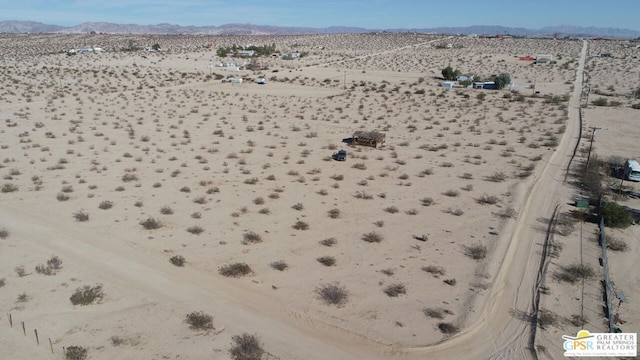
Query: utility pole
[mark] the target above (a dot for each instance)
(593, 134)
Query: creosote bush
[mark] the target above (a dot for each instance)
(327, 260)
(372, 237)
(4, 233)
(87, 295)
(301, 225)
(246, 347)
(81, 216)
(333, 294)
(177, 260)
(151, 224)
(394, 290)
(476, 251)
(448, 328)
(575, 272)
(199, 320)
(74, 352)
(279, 265)
(329, 242)
(235, 270)
(251, 238)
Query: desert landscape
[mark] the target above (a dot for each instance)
(150, 210)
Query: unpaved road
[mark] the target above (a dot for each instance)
(493, 332)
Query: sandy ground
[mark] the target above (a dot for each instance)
(155, 135)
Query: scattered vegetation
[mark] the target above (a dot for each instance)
(333, 294)
(235, 270)
(246, 347)
(87, 295)
(199, 320)
(177, 260)
(395, 290)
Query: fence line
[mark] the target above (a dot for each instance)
(23, 325)
(608, 287)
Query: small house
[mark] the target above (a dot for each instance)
(448, 84)
(464, 78)
(369, 138)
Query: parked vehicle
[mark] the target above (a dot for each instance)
(261, 81)
(340, 155)
(632, 170)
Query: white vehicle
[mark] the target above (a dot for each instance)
(632, 170)
(261, 81)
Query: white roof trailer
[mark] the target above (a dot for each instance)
(632, 170)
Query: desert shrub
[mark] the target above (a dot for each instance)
(391, 209)
(74, 352)
(372, 237)
(476, 251)
(251, 238)
(235, 270)
(177, 260)
(487, 199)
(199, 320)
(55, 263)
(298, 206)
(451, 282)
(600, 102)
(575, 272)
(20, 271)
(166, 210)
(44, 270)
(451, 193)
(363, 195)
(279, 265)
(3, 282)
(616, 244)
(301, 225)
(434, 313)
(333, 294)
(334, 213)
(87, 295)
(448, 328)
(565, 224)
(547, 318)
(328, 242)
(502, 80)
(246, 347)
(151, 224)
(359, 166)
(200, 200)
(129, 177)
(9, 187)
(395, 290)
(508, 213)
(327, 260)
(436, 271)
(62, 197)
(81, 216)
(498, 176)
(579, 321)
(196, 230)
(4, 233)
(427, 201)
(616, 215)
(105, 205)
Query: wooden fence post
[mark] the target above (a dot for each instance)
(24, 330)
(37, 339)
(10, 321)
(51, 345)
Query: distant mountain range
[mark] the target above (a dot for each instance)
(250, 29)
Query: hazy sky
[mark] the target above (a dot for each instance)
(372, 14)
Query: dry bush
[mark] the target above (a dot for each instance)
(436, 271)
(298, 207)
(395, 290)
(327, 260)
(166, 210)
(372, 237)
(434, 313)
(615, 244)
(363, 195)
(81, 216)
(547, 318)
(329, 242)
(105, 205)
(8, 188)
(574, 272)
(251, 238)
(129, 177)
(487, 199)
(62, 197)
(199, 320)
(279, 265)
(200, 200)
(498, 176)
(87, 295)
(333, 294)
(451, 193)
(4, 233)
(301, 225)
(476, 251)
(196, 230)
(451, 282)
(74, 352)
(426, 201)
(246, 347)
(151, 224)
(20, 271)
(235, 270)
(448, 328)
(334, 213)
(177, 260)
(391, 209)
